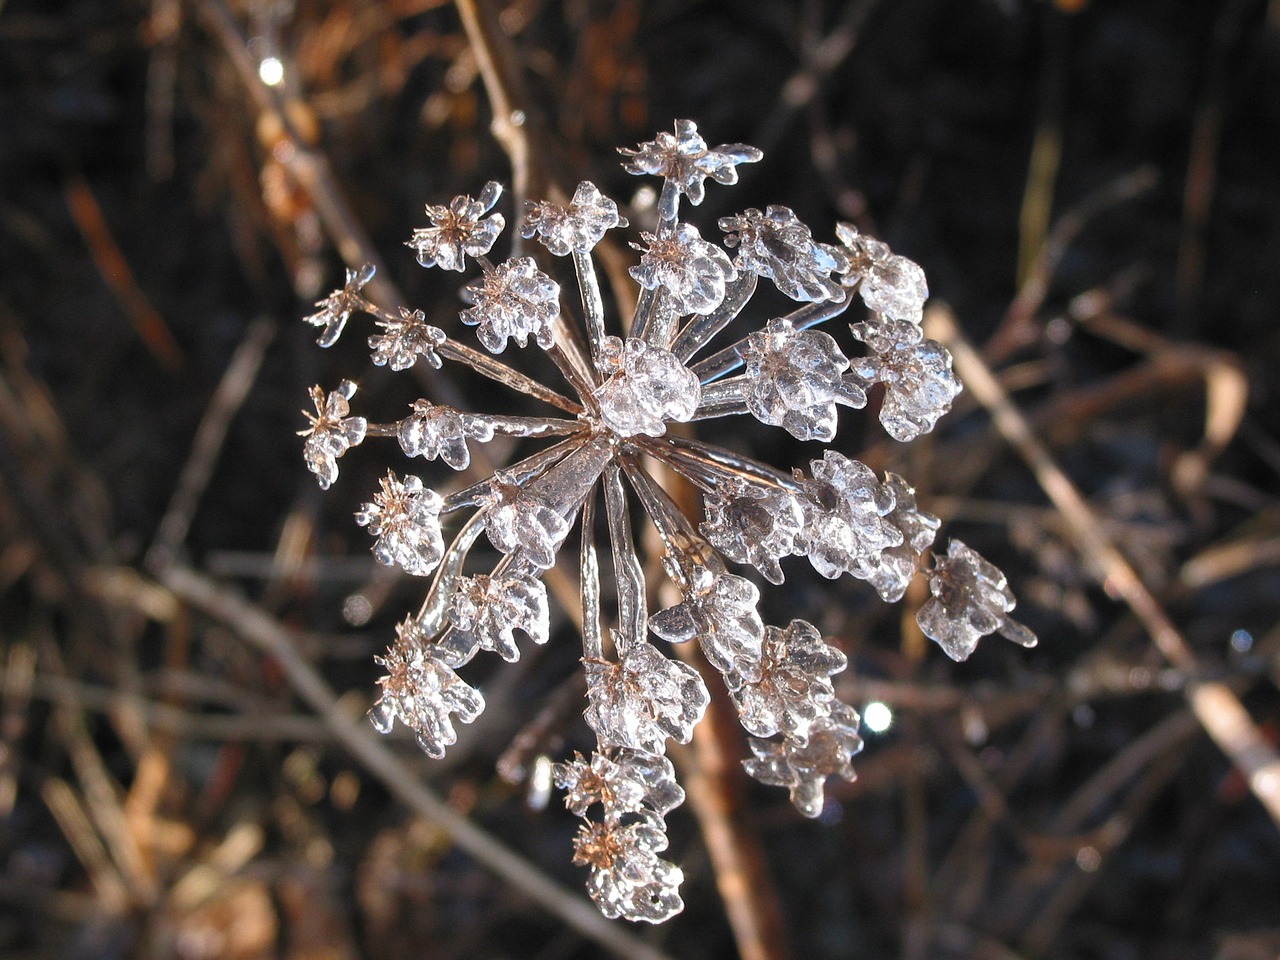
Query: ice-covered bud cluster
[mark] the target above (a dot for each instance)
(605, 454)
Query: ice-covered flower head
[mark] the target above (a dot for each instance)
(619, 441)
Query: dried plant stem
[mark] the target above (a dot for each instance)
(1217, 708)
(258, 628)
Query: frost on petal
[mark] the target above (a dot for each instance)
(433, 431)
(693, 271)
(845, 509)
(405, 518)
(513, 301)
(403, 341)
(575, 228)
(794, 687)
(755, 524)
(971, 599)
(919, 386)
(518, 521)
(643, 699)
(628, 879)
(332, 432)
(459, 230)
(803, 768)
(720, 610)
(893, 569)
(648, 387)
(422, 692)
(775, 244)
(685, 160)
(336, 309)
(621, 781)
(794, 379)
(888, 284)
(485, 612)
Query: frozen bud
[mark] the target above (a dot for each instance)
(648, 387)
(844, 509)
(686, 161)
(485, 612)
(887, 283)
(775, 244)
(434, 431)
(576, 228)
(643, 699)
(403, 341)
(519, 521)
(628, 879)
(622, 781)
(919, 386)
(693, 271)
(332, 432)
(794, 689)
(795, 379)
(459, 230)
(513, 301)
(893, 569)
(405, 518)
(970, 600)
(336, 309)
(422, 692)
(755, 524)
(884, 335)
(803, 768)
(720, 610)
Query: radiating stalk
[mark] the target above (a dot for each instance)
(699, 331)
(592, 638)
(486, 366)
(678, 534)
(432, 614)
(592, 306)
(632, 616)
(730, 358)
(519, 472)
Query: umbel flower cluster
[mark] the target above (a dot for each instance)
(605, 448)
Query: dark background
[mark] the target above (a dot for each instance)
(1092, 187)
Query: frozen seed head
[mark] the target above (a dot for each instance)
(514, 301)
(576, 228)
(459, 230)
(685, 161)
(332, 432)
(405, 517)
(888, 284)
(337, 308)
(970, 600)
(648, 387)
(775, 244)
(692, 271)
(403, 341)
(803, 768)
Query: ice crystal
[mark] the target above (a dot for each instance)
(459, 230)
(610, 432)
(332, 433)
(576, 228)
(402, 341)
(803, 768)
(406, 520)
(775, 244)
(336, 309)
(970, 600)
(691, 270)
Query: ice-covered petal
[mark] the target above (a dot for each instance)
(693, 271)
(459, 230)
(405, 517)
(919, 386)
(403, 341)
(794, 687)
(628, 879)
(804, 767)
(777, 245)
(971, 599)
(621, 781)
(753, 523)
(686, 161)
(648, 386)
(644, 698)
(845, 509)
(519, 521)
(485, 612)
(513, 301)
(433, 431)
(888, 284)
(575, 228)
(332, 432)
(337, 308)
(720, 610)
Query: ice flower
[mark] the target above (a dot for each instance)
(575, 228)
(403, 341)
(405, 518)
(803, 768)
(720, 610)
(794, 686)
(422, 692)
(621, 782)
(336, 309)
(795, 378)
(332, 432)
(437, 431)
(755, 524)
(485, 612)
(892, 570)
(971, 599)
(685, 161)
(628, 879)
(518, 521)
(513, 301)
(775, 244)
(845, 507)
(919, 386)
(888, 284)
(643, 699)
(459, 230)
(691, 270)
(648, 387)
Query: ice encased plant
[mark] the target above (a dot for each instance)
(594, 455)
